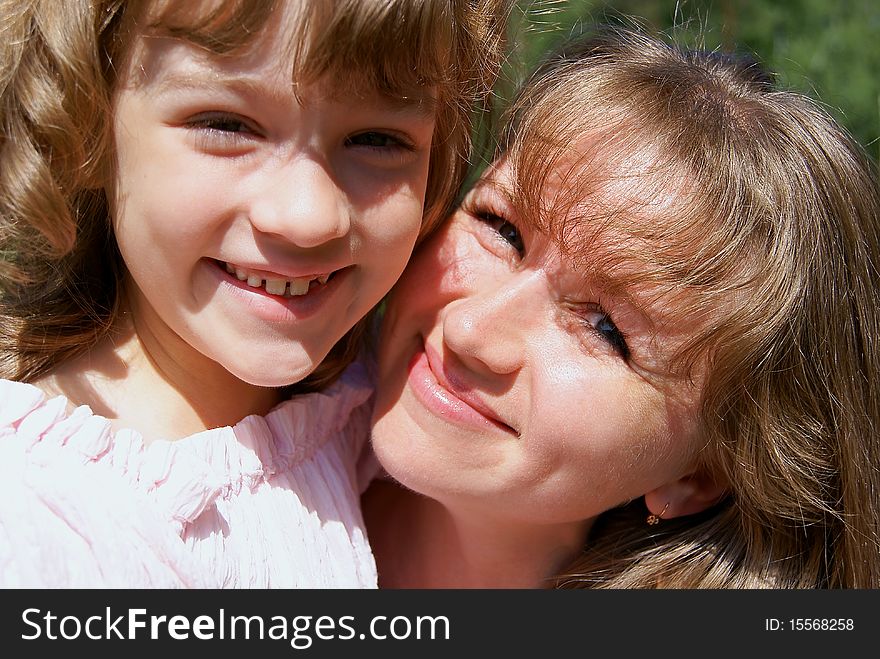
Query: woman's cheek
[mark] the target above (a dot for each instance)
(443, 264)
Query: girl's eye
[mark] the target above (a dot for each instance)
(507, 231)
(377, 140)
(600, 322)
(222, 134)
(221, 123)
(225, 125)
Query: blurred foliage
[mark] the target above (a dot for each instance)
(828, 50)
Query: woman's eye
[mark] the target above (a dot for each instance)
(507, 231)
(377, 140)
(600, 323)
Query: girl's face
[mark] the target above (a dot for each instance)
(259, 222)
(510, 382)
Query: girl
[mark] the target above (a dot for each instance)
(643, 353)
(200, 203)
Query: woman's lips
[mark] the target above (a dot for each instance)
(439, 393)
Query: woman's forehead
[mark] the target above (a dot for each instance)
(616, 218)
(596, 192)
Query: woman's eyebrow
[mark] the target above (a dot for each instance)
(624, 284)
(619, 290)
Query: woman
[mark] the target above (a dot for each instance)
(642, 353)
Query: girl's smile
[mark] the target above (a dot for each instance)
(274, 283)
(278, 214)
(275, 298)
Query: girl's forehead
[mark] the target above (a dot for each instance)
(171, 64)
(316, 40)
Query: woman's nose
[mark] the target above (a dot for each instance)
(302, 203)
(489, 328)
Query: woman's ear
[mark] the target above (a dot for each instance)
(688, 495)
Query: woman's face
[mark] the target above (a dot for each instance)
(514, 384)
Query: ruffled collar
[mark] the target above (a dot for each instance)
(187, 475)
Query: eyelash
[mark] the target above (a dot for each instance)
(215, 129)
(603, 328)
(612, 335)
(497, 222)
(391, 143)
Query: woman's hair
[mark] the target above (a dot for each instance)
(770, 248)
(60, 270)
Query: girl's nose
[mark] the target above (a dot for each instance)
(489, 327)
(302, 203)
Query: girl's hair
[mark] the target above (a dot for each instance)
(771, 250)
(60, 270)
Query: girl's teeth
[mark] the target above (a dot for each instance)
(275, 286)
(300, 286)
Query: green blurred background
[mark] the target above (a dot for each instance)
(825, 48)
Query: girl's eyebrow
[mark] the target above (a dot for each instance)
(420, 103)
(209, 80)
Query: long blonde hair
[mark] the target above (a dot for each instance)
(776, 242)
(59, 267)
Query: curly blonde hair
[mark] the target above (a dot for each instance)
(60, 270)
(777, 242)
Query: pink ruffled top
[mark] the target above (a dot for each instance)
(270, 502)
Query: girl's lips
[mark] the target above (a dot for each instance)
(274, 283)
(440, 396)
(272, 307)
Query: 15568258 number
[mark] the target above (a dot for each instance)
(821, 624)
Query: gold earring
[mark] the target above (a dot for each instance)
(655, 519)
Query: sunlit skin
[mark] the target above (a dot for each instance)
(521, 398)
(219, 162)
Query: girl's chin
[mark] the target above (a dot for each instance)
(273, 382)
(274, 375)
